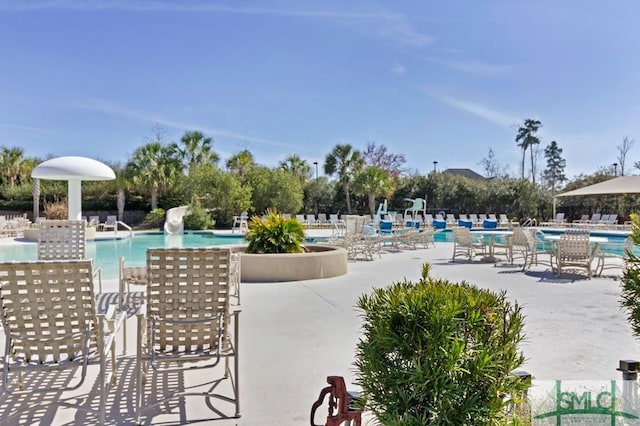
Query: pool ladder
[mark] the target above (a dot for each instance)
(124, 225)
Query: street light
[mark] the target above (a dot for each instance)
(615, 169)
(435, 163)
(315, 163)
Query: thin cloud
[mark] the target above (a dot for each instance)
(111, 108)
(11, 126)
(399, 69)
(479, 111)
(381, 24)
(473, 67)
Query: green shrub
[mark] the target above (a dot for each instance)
(275, 234)
(439, 353)
(198, 218)
(154, 219)
(631, 280)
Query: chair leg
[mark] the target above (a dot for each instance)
(236, 366)
(140, 370)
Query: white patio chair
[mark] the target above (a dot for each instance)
(64, 240)
(464, 243)
(574, 251)
(51, 324)
(187, 321)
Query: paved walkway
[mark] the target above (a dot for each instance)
(295, 334)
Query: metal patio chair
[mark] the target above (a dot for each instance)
(187, 322)
(51, 324)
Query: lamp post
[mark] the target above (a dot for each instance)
(435, 163)
(615, 169)
(315, 163)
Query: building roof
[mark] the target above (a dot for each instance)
(468, 173)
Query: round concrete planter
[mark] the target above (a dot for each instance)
(31, 234)
(320, 262)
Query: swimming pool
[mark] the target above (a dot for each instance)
(107, 252)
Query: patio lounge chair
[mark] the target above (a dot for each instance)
(583, 219)
(110, 223)
(595, 218)
(558, 220)
(473, 217)
(504, 221)
(187, 323)
(93, 221)
(322, 220)
(311, 220)
(303, 220)
(51, 324)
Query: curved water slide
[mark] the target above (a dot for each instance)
(174, 222)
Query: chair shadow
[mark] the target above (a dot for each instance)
(164, 385)
(548, 276)
(34, 408)
(43, 406)
(132, 301)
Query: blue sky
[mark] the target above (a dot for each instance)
(437, 81)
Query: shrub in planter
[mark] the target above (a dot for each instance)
(275, 234)
(56, 210)
(439, 353)
(631, 280)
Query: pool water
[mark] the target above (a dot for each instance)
(615, 244)
(106, 253)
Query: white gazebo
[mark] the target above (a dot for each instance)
(617, 186)
(74, 170)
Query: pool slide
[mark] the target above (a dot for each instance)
(174, 223)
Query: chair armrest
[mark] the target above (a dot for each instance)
(142, 310)
(110, 323)
(98, 272)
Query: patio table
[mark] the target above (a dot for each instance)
(491, 234)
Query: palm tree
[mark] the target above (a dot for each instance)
(35, 192)
(11, 160)
(373, 181)
(155, 166)
(241, 162)
(345, 161)
(123, 183)
(196, 150)
(527, 139)
(297, 166)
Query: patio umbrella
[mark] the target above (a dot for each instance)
(74, 170)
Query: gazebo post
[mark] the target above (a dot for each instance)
(74, 199)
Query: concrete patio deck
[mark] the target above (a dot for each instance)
(293, 335)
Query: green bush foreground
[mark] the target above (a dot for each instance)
(440, 353)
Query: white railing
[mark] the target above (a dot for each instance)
(124, 225)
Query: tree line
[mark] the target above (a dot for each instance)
(165, 174)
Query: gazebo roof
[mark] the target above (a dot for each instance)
(620, 185)
(73, 168)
